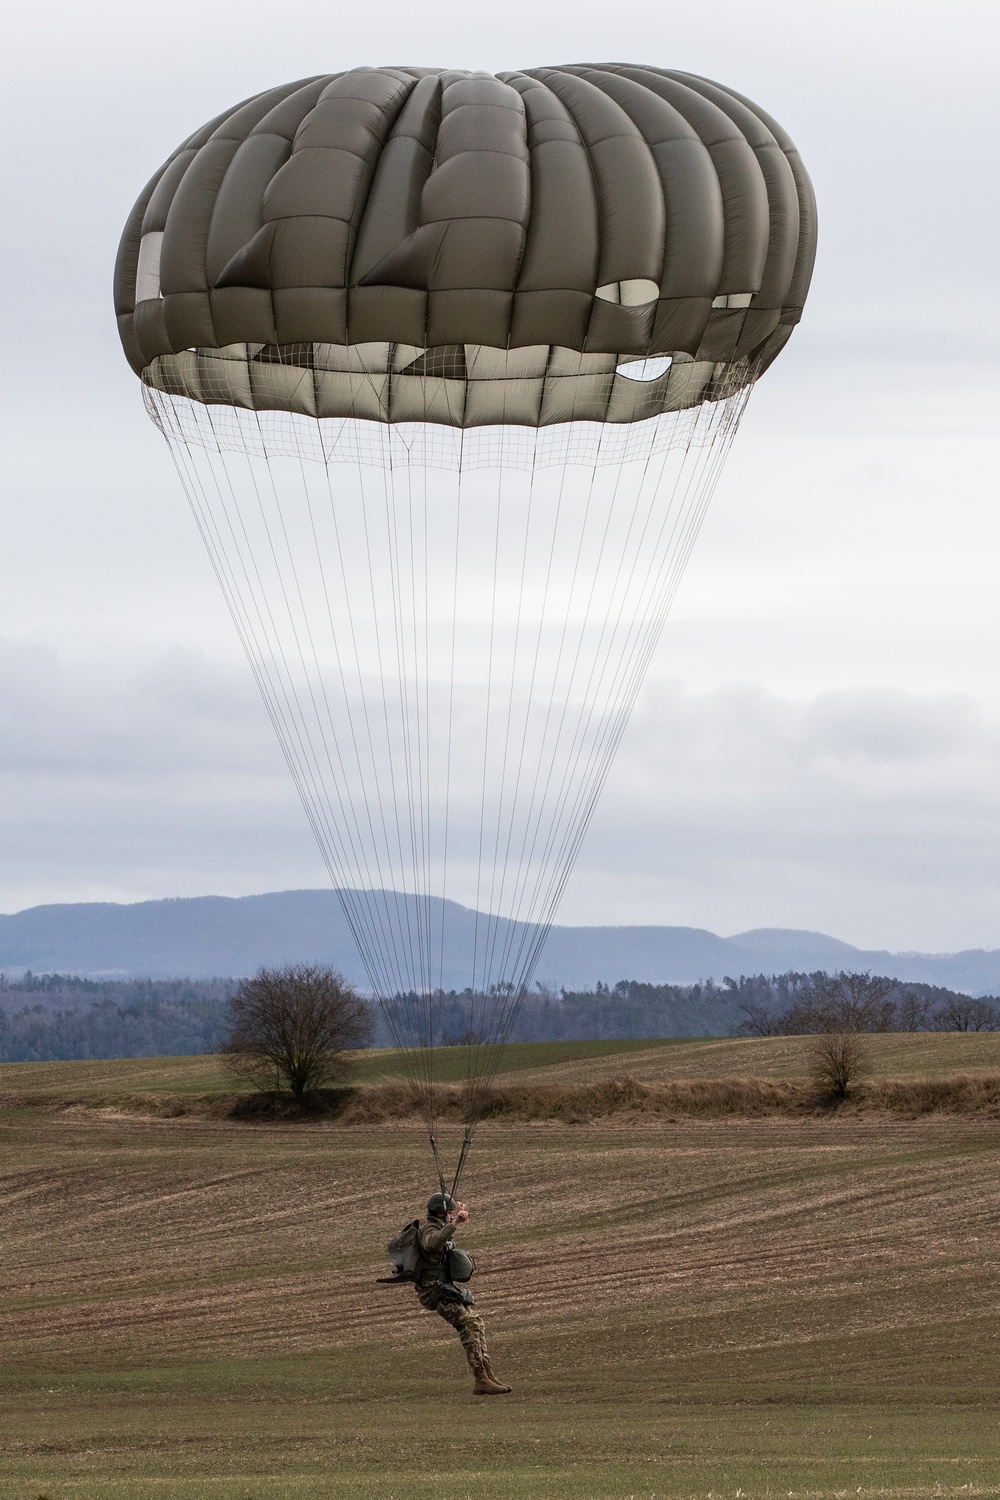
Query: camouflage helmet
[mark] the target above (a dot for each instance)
(439, 1204)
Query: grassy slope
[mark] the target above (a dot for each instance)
(196, 1075)
(898, 1056)
(767, 1307)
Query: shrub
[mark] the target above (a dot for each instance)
(838, 1060)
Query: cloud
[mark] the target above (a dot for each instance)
(868, 726)
(179, 714)
(119, 782)
(873, 814)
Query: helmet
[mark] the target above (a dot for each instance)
(439, 1204)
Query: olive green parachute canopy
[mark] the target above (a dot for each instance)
(449, 365)
(412, 244)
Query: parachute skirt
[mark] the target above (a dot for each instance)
(461, 385)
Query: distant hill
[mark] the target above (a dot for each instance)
(206, 936)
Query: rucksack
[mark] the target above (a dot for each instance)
(403, 1251)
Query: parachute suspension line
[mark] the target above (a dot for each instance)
(384, 989)
(501, 868)
(407, 673)
(420, 554)
(277, 691)
(494, 990)
(390, 756)
(338, 875)
(416, 1032)
(479, 917)
(631, 680)
(483, 918)
(514, 992)
(419, 806)
(496, 901)
(539, 794)
(449, 742)
(505, 994)
(370, 791)
(576, 570)
(380, 904)
(266, 674)
(584, 721)
(698, 487)
(314, 683)
(412, 941)
(589, 695)
(422, 641)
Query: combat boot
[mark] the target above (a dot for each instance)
(487, 1383)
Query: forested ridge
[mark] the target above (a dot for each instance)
(52, 1017)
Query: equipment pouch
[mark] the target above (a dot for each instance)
(458, 1264)
(449, 1292)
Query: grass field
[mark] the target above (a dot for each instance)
(914, 1055)
(196, 1075)
(803, 1307)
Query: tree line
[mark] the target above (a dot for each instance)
(64, 991)
(820, 1004)
(628, 1010)
(64, 1017)
(140, 1028)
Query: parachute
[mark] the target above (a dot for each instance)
(448, 364)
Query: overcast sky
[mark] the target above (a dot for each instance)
(818, 743)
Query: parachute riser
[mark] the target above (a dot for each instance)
(470, 1131)
(437, 1163)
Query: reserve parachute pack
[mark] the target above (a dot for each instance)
(403, 1250)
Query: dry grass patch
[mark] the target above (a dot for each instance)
(954, 1094)
(632, 1098)
(618, 1097)
(570, 1104)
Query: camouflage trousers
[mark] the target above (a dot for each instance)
(466, 1322)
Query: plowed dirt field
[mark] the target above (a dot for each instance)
(188, 1309)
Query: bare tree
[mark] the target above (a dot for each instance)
(844, 1002)
(759, 1021)
(859, 1002)
(839, 1059)
(912, 1012)
(961, 1013)
(290, 1028)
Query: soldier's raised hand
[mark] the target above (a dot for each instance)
(459, 1214)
